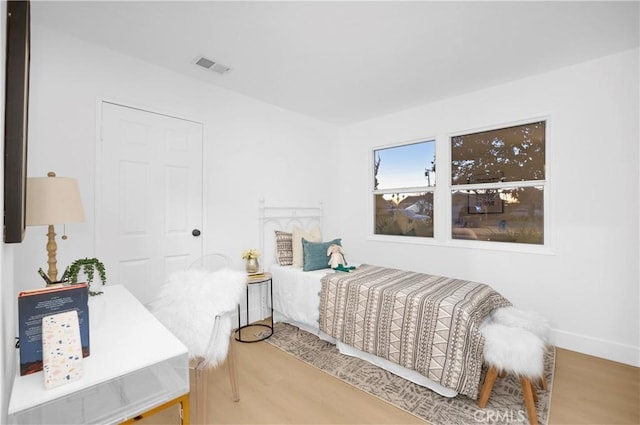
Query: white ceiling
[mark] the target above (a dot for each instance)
(343, 62)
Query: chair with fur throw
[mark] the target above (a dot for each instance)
(196, 305)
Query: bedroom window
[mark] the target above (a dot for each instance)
(497, 184)
(404, 179)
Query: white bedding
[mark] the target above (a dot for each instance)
(296, 297)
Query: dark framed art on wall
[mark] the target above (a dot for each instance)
(16, 119)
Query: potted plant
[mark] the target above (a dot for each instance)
(88, 266)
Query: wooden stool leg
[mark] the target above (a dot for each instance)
(233, 369)
(528, 400)
(533, 391)
(543, 383)
(489, 380)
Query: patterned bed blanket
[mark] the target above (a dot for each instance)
(426, 323)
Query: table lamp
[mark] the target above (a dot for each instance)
(53, 200)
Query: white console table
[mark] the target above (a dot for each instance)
(135, 366)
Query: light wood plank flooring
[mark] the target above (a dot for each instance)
(276, 388)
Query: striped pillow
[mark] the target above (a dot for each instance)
(284, 248)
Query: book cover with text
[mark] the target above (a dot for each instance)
(36, 304)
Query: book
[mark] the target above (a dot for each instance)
(61, 349)
(34, 305)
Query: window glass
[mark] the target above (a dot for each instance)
(498, 181)
(404, 214)
(410, 165)
(503, 155)
(404, 181)
(499, 215)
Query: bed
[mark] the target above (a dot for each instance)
(421, 327)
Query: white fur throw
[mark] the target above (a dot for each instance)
(513, 350)
(188, 303)
(529, 320)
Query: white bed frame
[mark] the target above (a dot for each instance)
(284, 218)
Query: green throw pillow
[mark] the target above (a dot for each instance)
(314, 254)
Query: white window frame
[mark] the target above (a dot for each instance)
(442, 222)
(544, 248)
(411, 189)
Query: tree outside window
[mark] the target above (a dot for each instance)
(497, 184)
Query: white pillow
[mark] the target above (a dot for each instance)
(314, 235)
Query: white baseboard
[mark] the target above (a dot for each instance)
(597, 347)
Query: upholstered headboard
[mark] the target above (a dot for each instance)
(283, 218)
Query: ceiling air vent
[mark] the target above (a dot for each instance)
(211, 65)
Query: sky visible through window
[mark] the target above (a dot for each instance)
(404, 166)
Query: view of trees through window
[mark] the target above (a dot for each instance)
(497, 185)
(497, 182)
(404, 181)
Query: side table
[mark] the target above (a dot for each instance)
(257, 280)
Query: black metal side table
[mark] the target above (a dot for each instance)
(257, 280)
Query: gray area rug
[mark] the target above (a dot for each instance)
(506, 405)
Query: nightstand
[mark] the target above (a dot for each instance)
(264, 278)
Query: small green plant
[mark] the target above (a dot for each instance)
(89, 266)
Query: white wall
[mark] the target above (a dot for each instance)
(588, 285)
(7, 312)
(251, 149)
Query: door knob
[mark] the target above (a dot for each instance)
(195, 232)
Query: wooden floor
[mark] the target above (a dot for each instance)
(276, 388)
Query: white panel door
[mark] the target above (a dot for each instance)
(149, 197)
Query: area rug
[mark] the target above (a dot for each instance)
(506, 405)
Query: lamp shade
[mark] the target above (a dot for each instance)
(53, 200)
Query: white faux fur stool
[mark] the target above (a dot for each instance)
(517, 318)
(529, 320)
(512, 350)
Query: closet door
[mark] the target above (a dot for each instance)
(149, 197)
